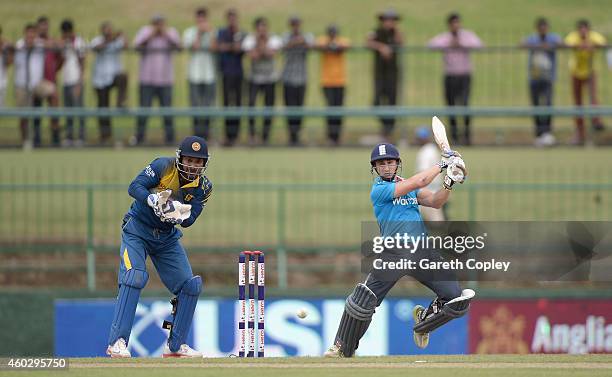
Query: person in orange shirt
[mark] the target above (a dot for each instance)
(584, 42)
(333, 76)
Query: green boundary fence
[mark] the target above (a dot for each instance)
(100, 234)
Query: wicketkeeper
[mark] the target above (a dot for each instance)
(168, 192)
(396, 206)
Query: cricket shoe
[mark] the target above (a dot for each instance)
(333, 351)
(119, 349)
(421, 340)
(184, 351)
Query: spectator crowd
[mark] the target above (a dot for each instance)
(218, 58)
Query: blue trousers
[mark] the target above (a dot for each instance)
(169, 258)
(442, 282)
(167, 253)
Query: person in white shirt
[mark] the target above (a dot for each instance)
(73, 48)
(201, 42)
(108, 73)
(427, 156)
(28, 79)
(6, 59)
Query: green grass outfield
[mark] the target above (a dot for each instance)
(425, 366)
(326, 192)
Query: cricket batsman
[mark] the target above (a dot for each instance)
(167, 192)
(402, 217)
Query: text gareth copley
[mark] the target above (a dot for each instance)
(426, 264)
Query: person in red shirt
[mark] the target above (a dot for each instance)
(53, 63)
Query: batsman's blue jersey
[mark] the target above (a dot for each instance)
(160, 175)
(396, 215)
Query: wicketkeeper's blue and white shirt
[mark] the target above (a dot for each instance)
(160, 175)
(396, 215)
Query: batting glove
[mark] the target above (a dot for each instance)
(443, 164)
(448, 153)
(456, 169)
(448, 183)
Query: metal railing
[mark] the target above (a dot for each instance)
(359, 121)
(320, 112)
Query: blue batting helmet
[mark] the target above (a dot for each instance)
(384, 151)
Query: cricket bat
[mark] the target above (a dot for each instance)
(439, 132)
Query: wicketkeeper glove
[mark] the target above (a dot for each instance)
(173, 221)
(175, 212)
(157, 202)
